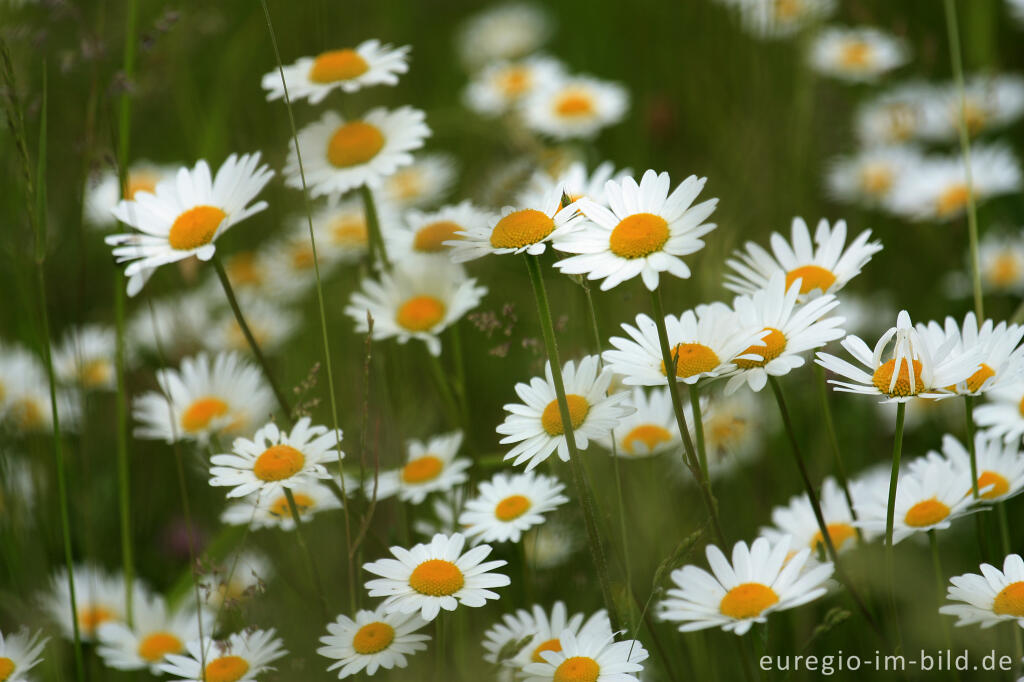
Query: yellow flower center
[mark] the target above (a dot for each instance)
(512, 507)
(575, 104)
(422, 469)
(407, 183)
(577, 669)
(1005, 270)
(787, 9)
(226, 669)
(811, 277)
(437, 578)
(926, 513)
(354, 143)
(978, 379)
(952, 199)
(774, 344)
(6, 668)
(747, 601)
(514, 81)
(200, 413)
(95, 373)
(373, 638)
(91, 617)
(521, 228)
(551, 419)
(278, 462)
(420, 313)
(839, 533)
(882, 379)
(550, 645)
(27, 413)
(280, 508)
(337, 65)
(639, 235)
(302, 256)
(649, 435)
(431, 238)
(876, 179)
(349, 231)
(157, 645)
(140, 181)
(855, 54)
(1000, 486)
(975, 118)
(1010, 601)
(195, 227)
(243, 269)
(1020, 407)
(693, 359)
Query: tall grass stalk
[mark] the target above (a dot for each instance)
(890, 511)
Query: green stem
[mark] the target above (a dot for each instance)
(940, 584)
(582, 490)
(690, 457)
(451, 406)
(377, 245)
(890, 512)
(698, 430)
(844, 480)
(979, 523)
(956, 62)
(314, 571)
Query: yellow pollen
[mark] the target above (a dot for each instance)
(926, 513)
(882, 378)
(838, 532)
(349, 231)
(521, 228)
(811, 277)
(278, 462)
(337, 65)
(551, 419)
(952, 199)
(195, 227)
(373, 638)
(723, 431)
(226, 669)
(422, 469)
(354, 143)
(27, 414)
(1000, 486)
(200, 413)
(639, 235)
(514, 81)
(95, 373)
(876, 179)
(512, 507)
(774, 344)
(550, 645)
(855, 54)
(1005, 270)
(648, 435)
(1010, 600)
(978, 379)
(1020, 407)
(747, 601)
(91, 617)
(302, 257)
(431, 238)
(243, 269)
(974, 117)
(694, 358)
(280, 508)
(573, 104)
(787, 9)
(437, 578)
(154, 647)
(420, 313)
(407, 183)
(577, 669)
(6, 668)
(141, 182)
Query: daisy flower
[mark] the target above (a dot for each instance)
(1000, 466)
(547, 627)
(430, 466)
(424, 182)
(937, 190)
(706, 342)
(552, 544)
(893, 117)
(988, 102)
(186, 216)
(339, 155)
(860, 54)
(575, 107)
(271, 325)
(791, 330)
(435, 576)
(501, 86)
(416, 301)
(276, 459)
(734, 428)
(99, 598)
(995, 345)
(823, 265)
(225, 397)
(989, 598)
(868, 177)
(914, 366)
(102, 193)
(535, 426)
(797, 520)
(506, 506)
(85, 358)
(236, 578)
(773, 19)
(645, 233)
(25, 403)
(762, 578)
(268, 511)
(589, 656)
(1002, 415)
(428, 234)
(242, 657)
(525, 229)
(575, 182)
(507, 637)
(651, 430)
(155, 633)
(1001, 264)
(929, 496)
(19, 653)
(505, 31)
(346, 69)
(172, 326)
(373, 640)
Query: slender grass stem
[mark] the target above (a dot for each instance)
(314, 570)
(819, 516)
(447, 396)
(956, 62)
(830, 427)
(698, 430)
(377, 246)
(890, 512)
(582, 490)
(690, 457)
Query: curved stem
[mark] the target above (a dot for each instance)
(698, 430)
(830, 426)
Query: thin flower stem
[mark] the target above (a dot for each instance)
(698, 430)
(255, 347)
(690, 454)
(319, 295)
(450, 404)
(376, 238)
(965, 150)
(890, 512)
(579, 478)
(844, 481)
(812, 496)
(979, 523)
(314, 571)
